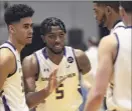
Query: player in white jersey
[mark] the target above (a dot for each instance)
(107, 15)
(115, 48)
(71, 63)
(12, 95)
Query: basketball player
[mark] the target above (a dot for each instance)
(12, 96)
(115, 60)
(107, 15)
(70, 62)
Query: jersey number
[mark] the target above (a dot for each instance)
(60, 92)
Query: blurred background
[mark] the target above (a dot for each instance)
(78, 17)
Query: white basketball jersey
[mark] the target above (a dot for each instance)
(122, 74)
(67, 96)
(118, 25)
(13, 96)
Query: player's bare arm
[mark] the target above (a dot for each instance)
(82, 61)
(7, 65)
(30, 69)
(84, 67)
(107, 51)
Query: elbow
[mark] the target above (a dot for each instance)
(29, 101)
(98, 96)
(29, 104)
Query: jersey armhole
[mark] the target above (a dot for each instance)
(118, 46)
(11, 74)
(76, 60)
(37, 74)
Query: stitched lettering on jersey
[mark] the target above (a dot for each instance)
(60, 77)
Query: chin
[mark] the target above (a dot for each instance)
(28, 43)
(58, 52)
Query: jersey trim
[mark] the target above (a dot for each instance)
(10, 44)
(37, 75)
(79, 70)
(116, 23)
(118, 46)
(46, 55)
(128, 27)
(120, 26)
(9, 75)
(5, 104)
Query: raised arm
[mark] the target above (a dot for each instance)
(30, 69)
(7, 65)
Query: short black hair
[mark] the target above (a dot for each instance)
(127, 5)
(16, 12)
(49, 22)
(112, 4)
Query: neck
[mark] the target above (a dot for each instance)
(113, 20)
(55, 58)
(129, 23)
(14, 42)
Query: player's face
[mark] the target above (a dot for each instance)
(99, 13)
(55, 40)
(22, 31)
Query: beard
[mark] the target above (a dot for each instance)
(55, 52)
(102, 24)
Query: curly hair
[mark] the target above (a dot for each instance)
(16, 12)
(49, 22)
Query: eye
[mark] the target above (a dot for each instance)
(61, 35)
(26, 26)
(51, 36)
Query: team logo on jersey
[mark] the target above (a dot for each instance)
(70, 59)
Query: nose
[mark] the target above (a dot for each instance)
(58, 40)
(31, 30)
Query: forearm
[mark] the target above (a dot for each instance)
(34, 98)
(94, 101)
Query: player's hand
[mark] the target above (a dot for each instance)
(53, 83)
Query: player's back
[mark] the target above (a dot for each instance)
(12, 97)
(67, 96)
(123, 75)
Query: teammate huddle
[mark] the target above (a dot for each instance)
(50, 78)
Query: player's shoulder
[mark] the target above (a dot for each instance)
(30, 59)
(108, 43)
(6, 56)
(79, 53)
(109, 39)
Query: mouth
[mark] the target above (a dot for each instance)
(29, 37)
(57, 47)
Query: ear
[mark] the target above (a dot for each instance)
(108, 10)
(11, 29)
(43, 38)
(122, 12)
